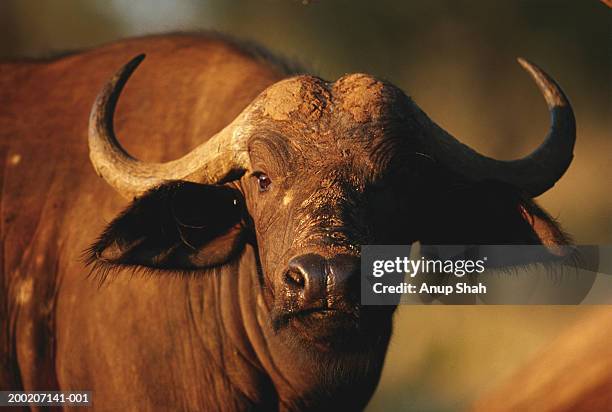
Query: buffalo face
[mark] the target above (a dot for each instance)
(325, 178)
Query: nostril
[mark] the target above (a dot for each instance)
(295, 279)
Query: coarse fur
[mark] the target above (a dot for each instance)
(222, 319)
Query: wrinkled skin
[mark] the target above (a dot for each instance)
(217, 321)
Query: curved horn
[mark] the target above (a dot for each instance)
(536, 172)
(215, 160)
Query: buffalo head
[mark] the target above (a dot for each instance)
(307, 173)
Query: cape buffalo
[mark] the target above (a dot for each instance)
(245, 249)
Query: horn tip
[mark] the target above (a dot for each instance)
(529, 66)
(522, 61)
(550, 89)
(135, 62)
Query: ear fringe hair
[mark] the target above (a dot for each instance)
(104, 271)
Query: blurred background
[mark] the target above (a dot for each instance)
(457, 60)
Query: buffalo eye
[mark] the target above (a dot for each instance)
(263, 182)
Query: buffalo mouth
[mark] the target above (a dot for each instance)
(313, 317)
(329, 328)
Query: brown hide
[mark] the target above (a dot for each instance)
(53, 205)
(573, 373)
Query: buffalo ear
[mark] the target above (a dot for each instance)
(176, 226)
(492, 213)
(544, 226)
